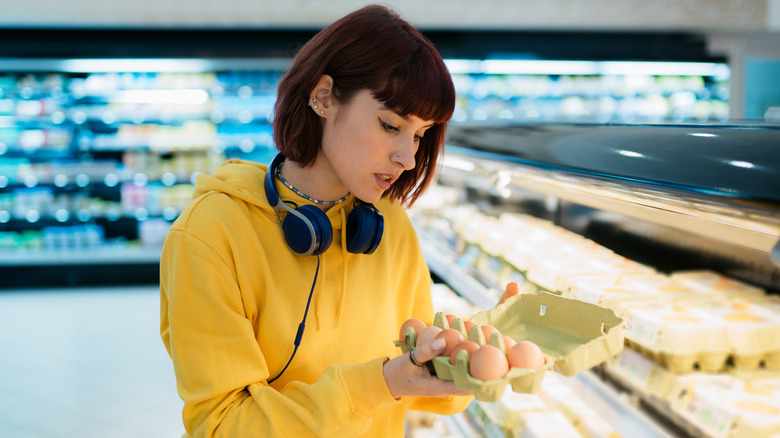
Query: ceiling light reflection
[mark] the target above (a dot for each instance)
(632, 154)
(743, 164)
(458, 163)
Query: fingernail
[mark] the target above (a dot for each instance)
(438, 344)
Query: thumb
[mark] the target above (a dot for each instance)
(424, 353)
(511, 290)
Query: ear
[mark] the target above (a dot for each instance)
(321, 97)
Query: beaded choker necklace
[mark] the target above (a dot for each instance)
(301, 194)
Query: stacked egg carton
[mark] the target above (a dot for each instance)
(495, 246)
(435, 212)
(557, 411)
(724, 406)
(753, 331)
(585, 419)
(643, 375)
(526, 249)
(693, 325)
(471, 230)
(677, 335)
(679, 319)
(731, 404)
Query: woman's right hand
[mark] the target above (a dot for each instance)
(404, 378)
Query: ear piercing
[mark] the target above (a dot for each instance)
(314, 104)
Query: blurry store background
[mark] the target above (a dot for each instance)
(109, 110)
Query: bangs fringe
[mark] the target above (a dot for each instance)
(427, 93)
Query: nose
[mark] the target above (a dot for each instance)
(404, 155)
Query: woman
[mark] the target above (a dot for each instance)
(316, 251)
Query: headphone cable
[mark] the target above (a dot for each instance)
(302, 325)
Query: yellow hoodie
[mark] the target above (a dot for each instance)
(233, 294)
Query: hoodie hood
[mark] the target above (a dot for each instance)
(238, 178)
(244, 180)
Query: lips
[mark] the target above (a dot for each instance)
(384, 181)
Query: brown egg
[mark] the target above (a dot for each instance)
(488, 331)
(415, 323)
(451, 318)
(428, 335)
(525, 354)
(468, 325)
(469, 346)
(452, 337)
(509, 342)
(488, 363)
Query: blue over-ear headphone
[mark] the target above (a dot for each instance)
(307, 229)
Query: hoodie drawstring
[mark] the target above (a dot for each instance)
(343, 291)
(344, 256)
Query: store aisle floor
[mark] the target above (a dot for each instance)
(85, 363)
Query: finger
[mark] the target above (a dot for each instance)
(511, 290)
(424, 353)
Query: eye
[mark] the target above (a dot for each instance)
(388, 127)
(419, 137)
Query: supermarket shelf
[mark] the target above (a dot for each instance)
(616, 407)
(106, 255)
(655, 404)
(715, 181)
(441, 261)
(155, 65)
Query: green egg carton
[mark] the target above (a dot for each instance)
(573, 336)
(521, 379)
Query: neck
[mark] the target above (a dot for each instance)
(312, 182)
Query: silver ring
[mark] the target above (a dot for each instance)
(411, 357)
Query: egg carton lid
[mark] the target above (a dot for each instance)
(576, 335)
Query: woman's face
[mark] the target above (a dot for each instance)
(367, 146)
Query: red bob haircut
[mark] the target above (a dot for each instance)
(374, 49)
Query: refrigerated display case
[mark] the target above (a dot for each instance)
(98, 156)
(688, 211)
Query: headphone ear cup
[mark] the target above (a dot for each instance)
(365, 226)
(298, 235)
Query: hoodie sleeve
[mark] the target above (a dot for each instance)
(220, 368)
(423, 309)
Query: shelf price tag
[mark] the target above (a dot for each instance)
(707, 415)
(641, 329)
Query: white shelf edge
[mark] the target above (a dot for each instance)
(73, 257)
